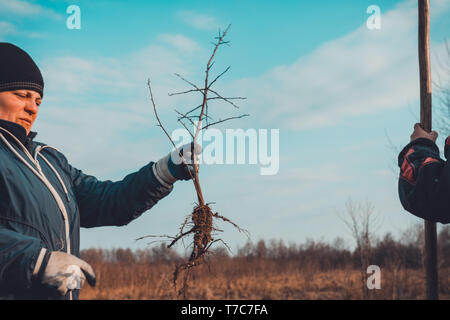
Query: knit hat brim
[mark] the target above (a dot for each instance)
(18, 70)
(22, 85)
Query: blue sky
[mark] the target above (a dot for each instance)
(312, 69)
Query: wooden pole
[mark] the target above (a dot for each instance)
(430, 258)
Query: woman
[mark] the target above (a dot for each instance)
(44, 200)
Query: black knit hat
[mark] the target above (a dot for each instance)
(18, 71)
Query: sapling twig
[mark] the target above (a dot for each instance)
(200, 221)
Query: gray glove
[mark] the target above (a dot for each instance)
(173, 167)
(65, 272)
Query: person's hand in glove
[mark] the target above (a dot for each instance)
(173, 167)
(420, 133)
(64, 272)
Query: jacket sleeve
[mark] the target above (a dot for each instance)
(18, 258)
(424, 182)
(107, 203)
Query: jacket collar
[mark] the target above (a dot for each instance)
(18, 131)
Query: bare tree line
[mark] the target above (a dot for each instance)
(407, 252)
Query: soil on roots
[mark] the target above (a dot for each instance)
(202, 228)
(202, 220)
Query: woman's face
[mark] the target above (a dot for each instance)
(20, 106)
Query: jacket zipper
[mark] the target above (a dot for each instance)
(44, 179)
(58, 199)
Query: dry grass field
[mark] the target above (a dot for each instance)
(133, 275)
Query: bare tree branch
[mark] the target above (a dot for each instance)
(184, 92)
(220, 121)
(162, 127)
(212, 82)
(187, 81)
(226, 99)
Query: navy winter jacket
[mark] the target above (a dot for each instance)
(44, 201)
(424, 184)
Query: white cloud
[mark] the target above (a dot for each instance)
(37, 35)
(295, 182)
(6, 28)
(440, 69)
(363, 72)
(24, 8)
(117, 132)
(102, 139)
(69, 74)
(180, 42)
(198, 20)
(76, 75)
